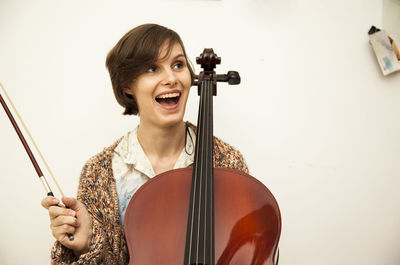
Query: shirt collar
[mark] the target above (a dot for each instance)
(131, 152)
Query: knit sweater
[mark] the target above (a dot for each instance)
(97, 191)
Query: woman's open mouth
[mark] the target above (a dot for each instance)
(168, 100)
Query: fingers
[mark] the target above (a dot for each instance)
(71, 202)
(63, 225)
(64, 220)
(49, 201)
(60, 232)
(71, 219)
(56, 211)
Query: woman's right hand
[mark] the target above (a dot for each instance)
(73, 220)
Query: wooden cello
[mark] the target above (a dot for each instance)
(203, 215)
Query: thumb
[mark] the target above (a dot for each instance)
(71, 203)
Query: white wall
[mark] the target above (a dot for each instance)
(314, 117)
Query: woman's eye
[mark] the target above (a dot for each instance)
(152, 69)
(179, 65)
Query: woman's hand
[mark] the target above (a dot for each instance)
(73, 220)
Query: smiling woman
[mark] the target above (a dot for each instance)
(137, 53)
(161, 92)
(151, 77)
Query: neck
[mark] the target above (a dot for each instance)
(161, 142)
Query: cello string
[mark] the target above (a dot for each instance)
(31, 138)
(203, 118)
(211, 179)
(209, 168)
(206, 174)
(194, 180)
(201, 173)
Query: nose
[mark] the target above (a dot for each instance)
(170, 78)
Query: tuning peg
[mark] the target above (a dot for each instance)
(233, 78)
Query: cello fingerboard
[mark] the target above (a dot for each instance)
(200, 229)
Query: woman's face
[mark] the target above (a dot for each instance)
(161, 93)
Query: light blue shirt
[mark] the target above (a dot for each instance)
(132, 168)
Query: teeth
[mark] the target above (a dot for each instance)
(170, 95)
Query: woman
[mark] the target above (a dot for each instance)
(151, 77)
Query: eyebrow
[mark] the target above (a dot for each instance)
(174, 58)
(179, 55)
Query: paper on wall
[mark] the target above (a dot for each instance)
(386, 51)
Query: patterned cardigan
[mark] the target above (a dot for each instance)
(98, 192)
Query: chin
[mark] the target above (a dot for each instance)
(171, 121)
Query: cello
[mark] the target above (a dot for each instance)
(203, 215)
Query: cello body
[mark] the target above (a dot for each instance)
(247, 219)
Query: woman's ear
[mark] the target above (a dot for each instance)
(129, 91)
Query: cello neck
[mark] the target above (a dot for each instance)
(200, 229)
(200, 243)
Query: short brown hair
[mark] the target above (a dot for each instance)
(134, 53)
